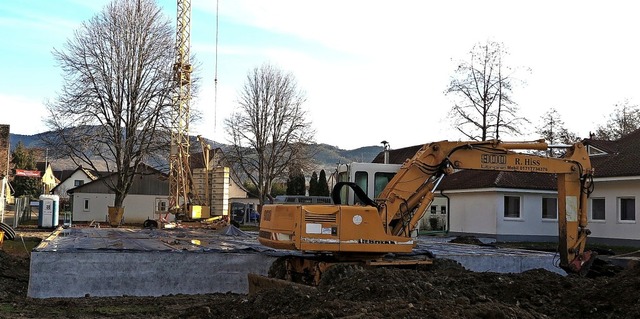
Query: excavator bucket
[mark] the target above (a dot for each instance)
(258, 283)
(605, 268)
(590, 257)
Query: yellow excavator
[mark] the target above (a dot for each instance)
(320, 236)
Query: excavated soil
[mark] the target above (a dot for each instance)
(441, 290)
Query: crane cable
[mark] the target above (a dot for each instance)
(215, 82)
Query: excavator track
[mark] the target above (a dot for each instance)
(311, 271)
(302, 270)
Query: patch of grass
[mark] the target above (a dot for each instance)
(7, 308)
(542, 246)
(121, 310)
(30, 222)
(249, 227)
(618, 250)
(552, 246)
(19, 247)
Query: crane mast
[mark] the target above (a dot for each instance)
(179, 175)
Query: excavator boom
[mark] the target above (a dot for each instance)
(406, 198)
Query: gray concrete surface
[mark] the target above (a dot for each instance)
(79, 274)
(116, 262)
(78, 262)
(491, 259)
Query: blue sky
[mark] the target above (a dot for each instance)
(372, 70)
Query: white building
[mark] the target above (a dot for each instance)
(505, 205)
(148, 198)
(70, 179)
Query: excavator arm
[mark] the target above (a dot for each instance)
(407, 196)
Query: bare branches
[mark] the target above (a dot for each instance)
(481, 90)
(113, 109)
(551, 127)
(268, 131)
(624, 120)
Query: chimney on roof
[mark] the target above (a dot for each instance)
(385, 145)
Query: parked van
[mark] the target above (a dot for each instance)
(244, 213)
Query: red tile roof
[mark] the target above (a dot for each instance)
(470, 179)
(622, 158)
(398, 156)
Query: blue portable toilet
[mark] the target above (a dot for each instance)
(48, 211)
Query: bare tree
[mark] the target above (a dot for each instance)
(552, 129)
(114, 110)
(269, 132)
(481, 90)
(624, 120)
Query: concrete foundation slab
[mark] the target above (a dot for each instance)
(491, 259)
(101, 262)
(116, 262)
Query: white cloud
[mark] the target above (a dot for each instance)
(27, 115)
(582, 55)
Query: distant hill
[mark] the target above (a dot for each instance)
(326, 156)
(29, 141)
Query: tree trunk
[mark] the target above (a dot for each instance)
(115, 215)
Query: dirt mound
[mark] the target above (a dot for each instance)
(14, 276)
(453, 292)
(442, 290)
(471, 240)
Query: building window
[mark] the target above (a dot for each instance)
(595, 151)
(85, 207)
(162, 206)
(549, 208)
(434, 209)
(78, 182)
(443, 210)
(627, 208)
(597, 209)
(512, 206)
